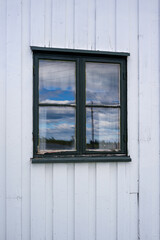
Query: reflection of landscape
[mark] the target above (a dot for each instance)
(56, 82)
(56, 144)
(102, 83)
(56, 128)
(57, 121)
(102, 128)
(103, 145)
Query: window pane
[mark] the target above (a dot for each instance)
(56, 129)
(102, 83)
(56, 82)
(103, 129)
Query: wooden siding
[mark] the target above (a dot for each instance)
(82, 201)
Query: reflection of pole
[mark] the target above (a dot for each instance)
(92, 126)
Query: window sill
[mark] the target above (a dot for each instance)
(81, 159)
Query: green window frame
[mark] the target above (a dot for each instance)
(81, 58)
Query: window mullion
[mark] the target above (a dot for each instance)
(81, 130)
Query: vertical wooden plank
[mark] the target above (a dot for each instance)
(60, 202)
(3, 11)
(123, 197)
(81, 201)
(91, 24)
(81, 169)
(38, 176)
(48, 167)
(102, 202)
(60, 171)
(149, 119)
(92, 201)
(123, 24)
(37, 23)
(69, 43)
(91, 45)
(38, 202)
(106, 201)
(48, 23)
(81, 24)
(132, 98)
(70, 201)
(13, 121)
(105, 172)
(69, 24)
(105, 25)
(26, 120)
(132, 101)
(48, 202)
(58, 23)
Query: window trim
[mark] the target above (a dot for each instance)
(78, 56)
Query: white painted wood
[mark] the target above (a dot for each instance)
(92, 201)
(58, 23)
(81, 24)
(37, 22)
(13, 122)
(71, 201)
(149, 119)
(48, 202)
(48, 23)
(105, 228)
(123, 217)
(60, 201)
(38, 191)
(132, 102)
(3, 13)
(60, 172)
(38, 173)
(48, 167)
(69, 21)
(105, 25)
(122, 25)
(69, 43)
(91, 24)
(81, 169)
(91, 45)
(105, 172)
(81, 201)
(132, 98)
(127, 173)
(26, 120)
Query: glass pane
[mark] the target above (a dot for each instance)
(56, 82)
(56, 129)
(102, 83)
(103, 129)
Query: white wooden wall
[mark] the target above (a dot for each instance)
(82, 201)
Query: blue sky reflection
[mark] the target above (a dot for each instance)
(102, 83)
(56, 82)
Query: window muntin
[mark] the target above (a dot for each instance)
(82, 108)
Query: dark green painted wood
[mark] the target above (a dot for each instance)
(82, 159)
(102, 106)
(81, 57)
(77, 51)
(56, 105)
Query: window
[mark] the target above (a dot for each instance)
(80, 105)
